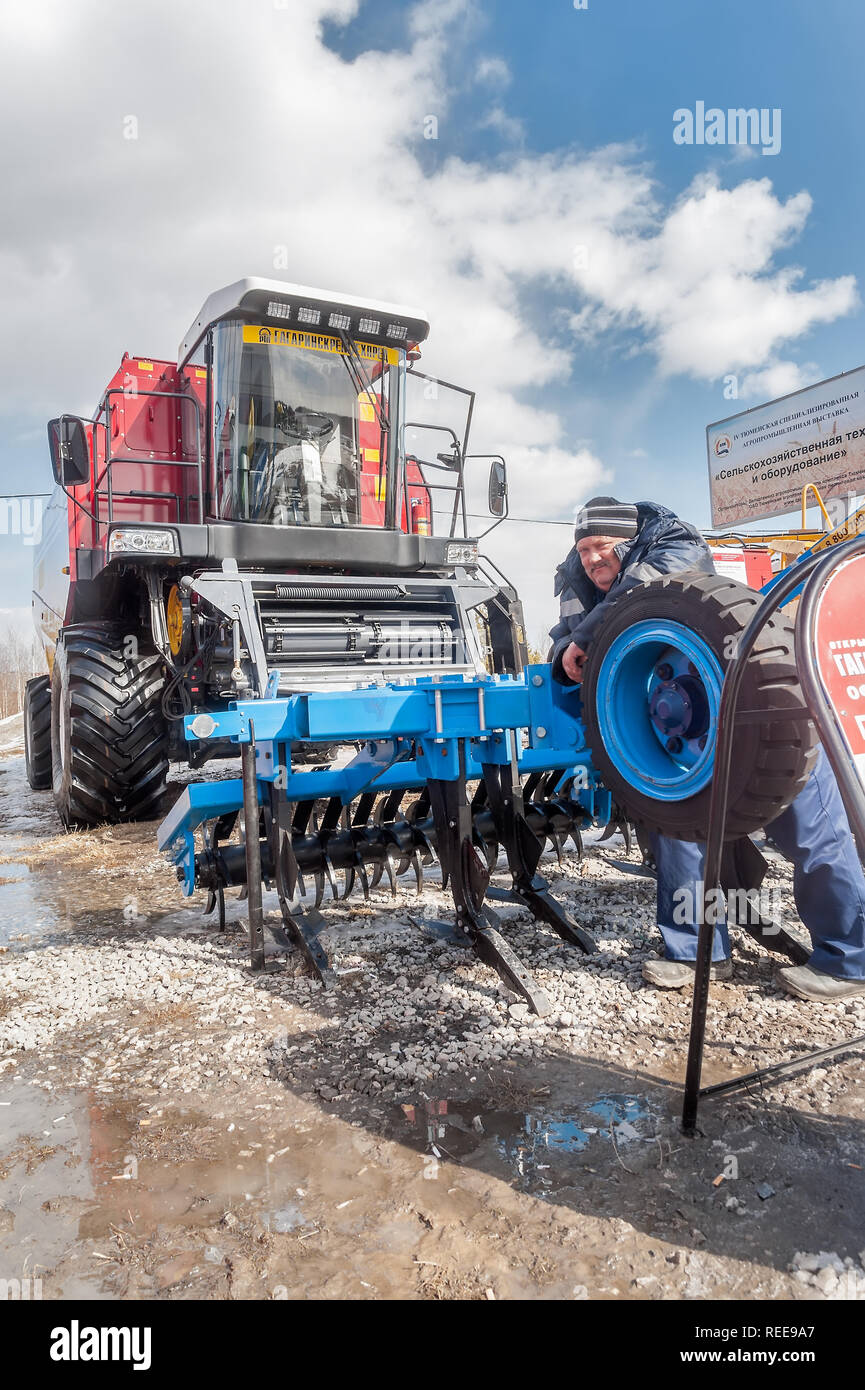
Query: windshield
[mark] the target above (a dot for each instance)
(301, 429)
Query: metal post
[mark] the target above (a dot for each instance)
(253, 851)
(790, 580)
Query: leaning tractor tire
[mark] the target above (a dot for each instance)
(651, 693)
(108, 733)
(37, 733)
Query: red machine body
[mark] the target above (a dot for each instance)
(151, 422)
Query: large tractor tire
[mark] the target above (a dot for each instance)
(651, 693)
(37, 733)
(108, 733)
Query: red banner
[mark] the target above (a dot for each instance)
(840, 641)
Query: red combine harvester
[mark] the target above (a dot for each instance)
(253, 508)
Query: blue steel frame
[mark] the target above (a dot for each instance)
(409, 732)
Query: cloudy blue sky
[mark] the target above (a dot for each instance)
(592, 279)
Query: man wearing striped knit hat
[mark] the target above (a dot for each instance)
(618, 546)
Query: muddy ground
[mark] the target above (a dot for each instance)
(173, 1127)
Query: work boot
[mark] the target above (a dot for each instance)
(675, 974)
(809, 983)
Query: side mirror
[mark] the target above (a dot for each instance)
(451, 460)
(70, 452)
(498, 489)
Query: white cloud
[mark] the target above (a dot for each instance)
(699, 282)
(777, 379)
(252, 135)
(493, 70)
(509, 127)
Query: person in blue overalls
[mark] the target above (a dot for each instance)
(616, 547)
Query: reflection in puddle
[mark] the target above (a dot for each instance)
(537, 1145)
(284, 1219)
(33, 906)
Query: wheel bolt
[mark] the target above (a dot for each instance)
(663, 670)
(674, 744)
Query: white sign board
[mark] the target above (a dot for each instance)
(760, 460)
(731, 564)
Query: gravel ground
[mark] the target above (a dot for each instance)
(123, 1002)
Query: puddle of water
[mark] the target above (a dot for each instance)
(45, 1186)
(21, 911)
(621, 1110)
(539, 1146)
(287, 1218)
(76, 1169)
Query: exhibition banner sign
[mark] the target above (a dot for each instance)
(760, 460)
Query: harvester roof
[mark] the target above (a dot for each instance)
(308, 310)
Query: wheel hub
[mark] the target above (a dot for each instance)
(658, 696)
(679, 708)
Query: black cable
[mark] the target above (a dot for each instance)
(529, 520)
(180, 673)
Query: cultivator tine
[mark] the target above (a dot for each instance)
(216, 900)
(495, 951)
(418, 813)
(531, 784)
(523, 850)
(418, 871)
(364, 807)
(328, 873)
(469, 876)
(285, 867)
(440, 811)
(302, 814)
(319, 889)
(388, 806)
(488, 845)
(547, 909)
(304, 926)
(618, 822)
(364, 880)
(388, 868)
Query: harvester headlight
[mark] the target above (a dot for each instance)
(339, 321)
(137, 542)
(369, 326)
(278, 309)
(306, 314)
(463, 553)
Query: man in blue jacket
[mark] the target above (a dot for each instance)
(618, 546)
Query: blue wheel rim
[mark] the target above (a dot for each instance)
(659, 729)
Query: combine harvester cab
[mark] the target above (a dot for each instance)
(251, 508)
(253, 556)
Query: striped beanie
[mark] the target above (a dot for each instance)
(606, 516)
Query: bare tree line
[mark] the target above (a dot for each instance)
(20, 658)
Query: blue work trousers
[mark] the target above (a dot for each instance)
(828, 882)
